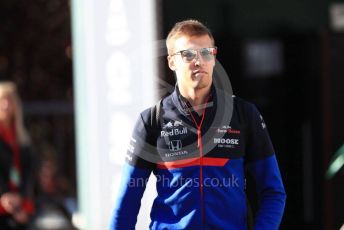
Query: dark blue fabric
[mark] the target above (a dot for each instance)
(128, 203)
(181, 203)
(270, 192)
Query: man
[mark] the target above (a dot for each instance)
(198, 148)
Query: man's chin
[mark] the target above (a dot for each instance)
(198, 77)
(200, 85)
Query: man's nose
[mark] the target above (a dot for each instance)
(198, 59)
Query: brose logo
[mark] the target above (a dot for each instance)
(226, 141)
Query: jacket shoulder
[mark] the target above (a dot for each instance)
(147, 114)
(243, 103)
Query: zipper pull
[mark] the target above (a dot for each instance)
(199, 138)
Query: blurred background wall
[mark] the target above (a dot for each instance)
(285, 56)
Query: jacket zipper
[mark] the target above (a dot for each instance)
(200, 147)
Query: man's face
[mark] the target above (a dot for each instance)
(196, 74)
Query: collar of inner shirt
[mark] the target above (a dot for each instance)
(186, 105)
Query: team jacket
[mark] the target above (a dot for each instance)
(199, 163)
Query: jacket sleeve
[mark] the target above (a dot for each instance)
(135, 174)
(129, 199)
(262, 165)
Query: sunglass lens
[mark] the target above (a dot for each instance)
(207, 53)
(188, 55)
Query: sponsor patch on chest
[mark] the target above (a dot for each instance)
(173, 132)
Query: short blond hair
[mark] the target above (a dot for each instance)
(190, 27)
(10, 88)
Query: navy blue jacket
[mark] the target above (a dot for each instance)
(200, 164)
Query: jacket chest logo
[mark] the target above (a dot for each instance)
(175, 145)
(228, 129)
(230, 138)
(173, 132)
(173, 128)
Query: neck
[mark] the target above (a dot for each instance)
(196, 97)
(5, 124)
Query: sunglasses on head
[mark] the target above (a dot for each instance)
(189, 55)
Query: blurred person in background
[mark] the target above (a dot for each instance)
(54, 201)
(16, 162)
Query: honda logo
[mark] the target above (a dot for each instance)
(175, 145)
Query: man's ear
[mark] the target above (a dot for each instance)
(171, 63)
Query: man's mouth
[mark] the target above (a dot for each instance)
(197, 72)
